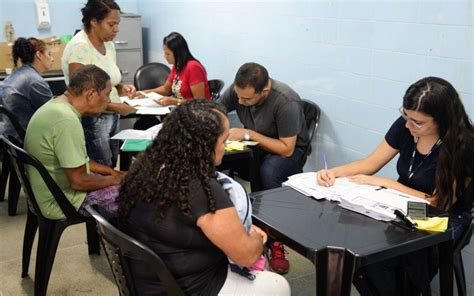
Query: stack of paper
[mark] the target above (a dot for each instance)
(378, 203)
(147, 105)
(131, 134)
(375, 202)
(306, 184)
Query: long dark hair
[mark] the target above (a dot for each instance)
(178, 45)
(25, 50)
(437, 98)
(97, 9)
(183, 151)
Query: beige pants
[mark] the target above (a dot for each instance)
(265, 283)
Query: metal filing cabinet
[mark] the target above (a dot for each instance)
(129, 46)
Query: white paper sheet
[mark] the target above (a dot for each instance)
(131, 134)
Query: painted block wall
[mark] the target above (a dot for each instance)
(354, 58)
(65, 16)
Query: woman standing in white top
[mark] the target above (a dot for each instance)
(93, 45)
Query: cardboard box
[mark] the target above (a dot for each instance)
(6, 58)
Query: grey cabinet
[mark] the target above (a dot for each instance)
(129, 46)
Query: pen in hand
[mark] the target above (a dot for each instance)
(325, 161)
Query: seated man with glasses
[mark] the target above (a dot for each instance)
(272, 114)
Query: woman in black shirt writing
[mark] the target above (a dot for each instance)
(435, 140)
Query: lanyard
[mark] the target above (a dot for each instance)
(412, 171)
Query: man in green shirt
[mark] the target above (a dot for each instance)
(56, 138)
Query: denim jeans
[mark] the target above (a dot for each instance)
(275, 169)
(98, 130)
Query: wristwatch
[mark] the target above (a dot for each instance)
(247, 135)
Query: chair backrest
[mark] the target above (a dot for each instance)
(21, 158)
(119, 247)
(151, 75)
(215, 87)
(312, 114)
(14, 121)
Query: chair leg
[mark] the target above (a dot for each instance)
(13, 192)
(28, 239)
(49, 236)
(459, 274)
(93, 242)
(4, 176)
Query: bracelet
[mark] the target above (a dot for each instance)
(179, 102)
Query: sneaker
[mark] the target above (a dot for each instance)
(278, 261)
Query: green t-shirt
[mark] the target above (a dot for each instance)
(56, 138)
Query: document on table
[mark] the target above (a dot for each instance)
(147, 105)
(380, 202)
(373, 201)
(306, 184)
(131, 134)
(147, 101)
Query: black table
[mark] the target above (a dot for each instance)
(338, 241)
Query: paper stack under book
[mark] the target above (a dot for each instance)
(373, 201)
(137, 140)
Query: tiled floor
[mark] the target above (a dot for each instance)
(77, 273)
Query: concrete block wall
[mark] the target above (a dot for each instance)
(354, 58)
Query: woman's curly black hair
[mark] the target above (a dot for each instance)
(182, 151)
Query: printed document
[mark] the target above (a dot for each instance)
(373, 201)
(131, 134)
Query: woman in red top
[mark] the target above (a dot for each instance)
(187, 79)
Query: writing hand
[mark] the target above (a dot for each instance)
(325, 178)
(128, 90)
(166, 101)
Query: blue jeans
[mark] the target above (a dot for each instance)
(421, 266)
(98, 130)
(275, 169)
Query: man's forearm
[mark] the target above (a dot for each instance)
(275, 146)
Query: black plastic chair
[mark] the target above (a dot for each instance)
(120, 247)
(215, 87)
(151, 75)
(312, 114)
(457, 257)
(7, 166)
(49, 230)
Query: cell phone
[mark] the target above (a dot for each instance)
(417, 210)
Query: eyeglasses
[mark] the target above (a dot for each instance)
(415, 123)
(254, 97)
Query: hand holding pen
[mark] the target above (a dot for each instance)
(325, 177)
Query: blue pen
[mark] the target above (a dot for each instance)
(325, 161)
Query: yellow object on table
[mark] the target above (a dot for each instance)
(433, 224)
(234, 146)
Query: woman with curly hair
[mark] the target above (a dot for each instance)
(26, 81)
(172, 202)
(435, 140)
